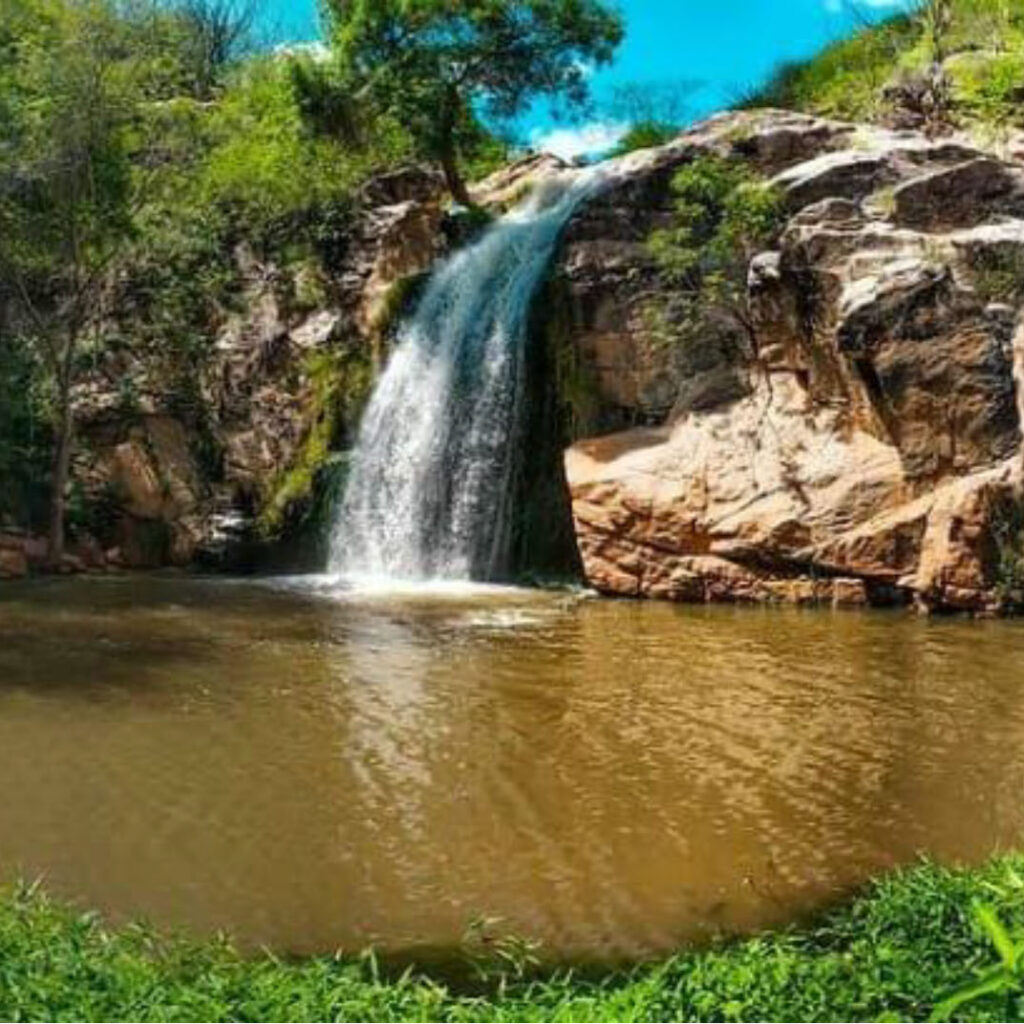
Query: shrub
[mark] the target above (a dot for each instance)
(1008, 534)
(998, 275)
(265, 165)
(989, 88)
(980, 43)
(644, 135)
(25, 435)
(723, 217)
(846, 79)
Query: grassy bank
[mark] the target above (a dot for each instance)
(879, 67)
(891, 954)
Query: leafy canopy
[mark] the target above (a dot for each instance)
(437, 64)
(724, 216)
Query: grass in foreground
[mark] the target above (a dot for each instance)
(891, 954)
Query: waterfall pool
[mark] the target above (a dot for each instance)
(311, 767)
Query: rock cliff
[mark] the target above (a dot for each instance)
(865, 447)
(228, 470)
(868, 450)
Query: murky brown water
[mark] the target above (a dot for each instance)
(313, 773)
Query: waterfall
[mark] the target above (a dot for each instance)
(431, 484)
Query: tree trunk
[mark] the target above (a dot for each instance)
(449, 157)
(453, 178)
(61, 469)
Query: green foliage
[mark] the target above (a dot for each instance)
(1008, 534)
(65, 190)
(644, 135)
(998, 275)
(723, 217)
(989, 87)
(991, 25)
(495, 955)
(213, 36)
(980, 43)
(64, 166)
(340, 384)
(655, 112)
(890, 954)
(24, 435)
(139, 153)
(576, 386)
(264, 165)
(396, 301)
(1003, 980)
(846, 79)
(436, 65)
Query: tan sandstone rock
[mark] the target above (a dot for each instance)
(879, 432)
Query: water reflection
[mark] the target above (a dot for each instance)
(313, 771)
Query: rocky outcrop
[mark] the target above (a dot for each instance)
(870, 449)
(169, 477)
(864, 447)
(226, 470)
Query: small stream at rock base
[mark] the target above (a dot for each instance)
(312, 768)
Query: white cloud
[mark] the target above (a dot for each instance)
(587, 140)
(315, 51)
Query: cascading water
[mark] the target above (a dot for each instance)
(432, 480)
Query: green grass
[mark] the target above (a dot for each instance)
(892, 953)
(848, 79)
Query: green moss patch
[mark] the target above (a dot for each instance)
(340, 384)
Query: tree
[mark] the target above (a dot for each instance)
(724, 216)
(436, 65)
(936, 98)
(654, 111)
(65, 187)
(217, 34)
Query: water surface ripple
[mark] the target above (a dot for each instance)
(312, 770)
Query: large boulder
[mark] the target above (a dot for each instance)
(872, 443)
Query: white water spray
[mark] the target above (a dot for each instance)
(432, 481)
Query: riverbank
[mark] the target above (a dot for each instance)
(891, 953)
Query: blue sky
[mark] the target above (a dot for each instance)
(728, 45)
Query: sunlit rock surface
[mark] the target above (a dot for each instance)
(867, 453)
(873, 453)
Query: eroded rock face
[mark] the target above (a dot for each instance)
(872, 444)
(291, 362)
(860, 452)
(166, 474)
